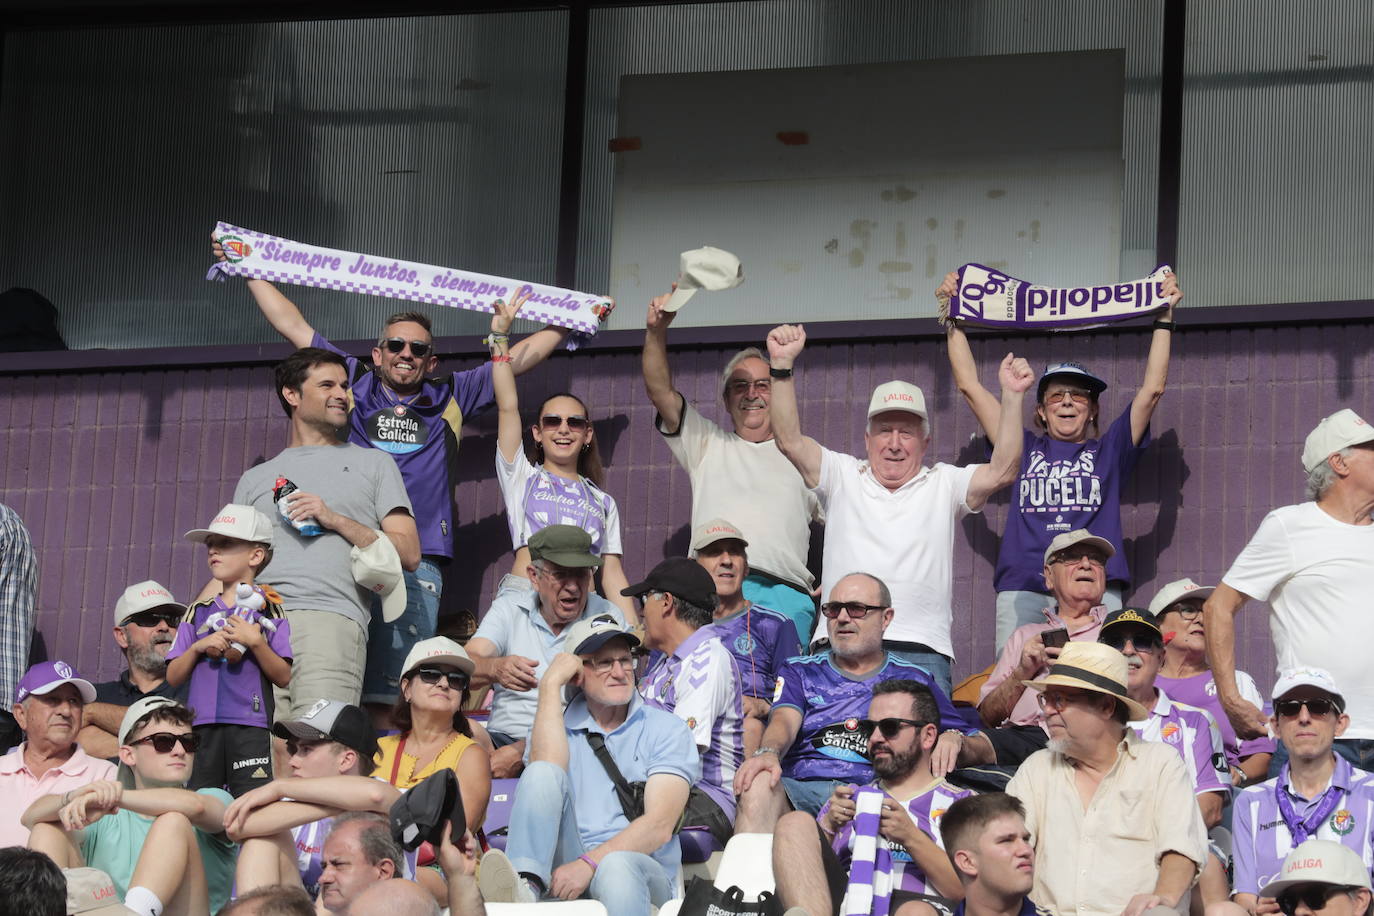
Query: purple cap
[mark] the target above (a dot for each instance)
(46, 677)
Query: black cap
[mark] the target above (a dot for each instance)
(680, 577)
(332, 720)
(420, 814)
(1130, 615)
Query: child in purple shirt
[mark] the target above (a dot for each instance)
(233, 648)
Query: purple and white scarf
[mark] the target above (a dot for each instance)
(990, 297)
(870, 868)
(266, 257)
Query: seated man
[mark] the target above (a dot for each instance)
(813, 856)
(163, 845)
(1076, 575)
(358, 853)
(399, 897)
(1317, 794)
(760, 639)
(577, 828)
(523, 630)
(1187, 676)
(48, 707)
(145, 626)
(1113, 819)
(986, 839)
(695, 679)
(813, 743)
(1322, 876)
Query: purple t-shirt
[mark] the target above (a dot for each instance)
(224, 693)
(1200, 690)
(761, 640)
(1064, 486)
(420, 431)
(830, 744)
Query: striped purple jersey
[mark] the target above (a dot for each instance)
(1262, 838)
(761, 640)
(699, 683)
(1194, 734)
(925, 811)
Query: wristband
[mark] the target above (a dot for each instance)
(503, 358)
(1162, 325)
(779, 373)
(766, 750)
(589, 860)
(492, 339)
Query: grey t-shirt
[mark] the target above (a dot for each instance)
(312, 573)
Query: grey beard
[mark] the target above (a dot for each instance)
(148, 660)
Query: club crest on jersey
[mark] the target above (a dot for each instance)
(1170, 733)
(1342, 822)
(744, 644)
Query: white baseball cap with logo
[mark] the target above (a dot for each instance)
(1342, 429)
(1318, 678)
(377, 568)
(438, 649)
(242, 523)
(1177, 591)
(1078, 536)
(898, 395)
(717, 529)
(1319, 862)
(144, 596)
(704, 268)
(92, 892)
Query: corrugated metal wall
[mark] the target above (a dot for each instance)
(108, 468)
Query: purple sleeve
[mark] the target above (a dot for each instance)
(280, 641)
(319, 341)
(789, 690)
(786, 646)
(472, 389)
(186, 636)
(1208, 755)
(1117, 443)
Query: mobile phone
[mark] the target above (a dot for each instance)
(1057, 638)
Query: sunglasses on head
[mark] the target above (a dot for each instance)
(1313, 896)
(150, 619)
(418, 348)
(576, 422)
(890, 728)
(457, 680)
(856, 610)
(1146, 641)
(1316, 707)
(163, 742)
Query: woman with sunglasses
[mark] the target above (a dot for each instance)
(434, 733)
(1070, 477)
(563, 483)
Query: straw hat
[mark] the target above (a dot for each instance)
(1092, 666)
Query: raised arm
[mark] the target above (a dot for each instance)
(1219, 628)
(548, 737)
(983, 402)
(281, 313)
(1016, 378)
(508, 429)
(653, 361)
(1156, 366)
(534, 349)
(785, 343)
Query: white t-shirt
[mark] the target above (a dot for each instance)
(536, 498)
(1316, 573)
(904, 537)
(752, 486)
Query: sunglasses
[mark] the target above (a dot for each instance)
(163, 742)
(1313, 896)
(856, 610)
(1317, 707)
(302, 748)
(576, 422)
(457, 680)
(744, 386)
(1147, 642)
(1074, 557)
(890, 728)
(418, 348)
(150, 619)
(1071, 395)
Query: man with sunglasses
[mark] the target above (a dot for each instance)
(145, 627)
(1318, 794)
(813, 856)
(1320, 876)
(812, 742)
(163, 845)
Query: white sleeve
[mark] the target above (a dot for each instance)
(960, 478)
(834, 468)
(513, 476)
(1265, 563)
(702, 701)
(693, 437)
(1246, 685)
(612, 543)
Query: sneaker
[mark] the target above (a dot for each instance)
(499, 882)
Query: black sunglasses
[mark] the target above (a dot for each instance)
(1141, 640)
(163, 742)
(457, 680)
(856, 610)
(418, 348)
(890, 728)
(150, 619)
(1313, 896)
(576, 422)
(1317, 707)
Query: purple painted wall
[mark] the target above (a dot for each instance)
(108, 467)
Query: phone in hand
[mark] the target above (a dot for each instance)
(1058, 638)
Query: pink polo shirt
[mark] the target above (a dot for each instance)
(1027, 709)
(19, 788)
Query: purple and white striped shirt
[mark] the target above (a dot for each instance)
(1262, 839)
(1194, 734)
(699, 683)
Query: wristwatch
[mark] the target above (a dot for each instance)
(779, 373)
(1163, 325)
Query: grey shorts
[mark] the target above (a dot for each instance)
(329, 654)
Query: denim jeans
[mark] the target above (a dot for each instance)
(935, 664)
(540, 840)
(388, 644)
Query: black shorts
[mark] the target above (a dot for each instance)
(233, 757)
(838, 879)
(1014, 743)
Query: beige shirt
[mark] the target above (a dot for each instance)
(1091, 863)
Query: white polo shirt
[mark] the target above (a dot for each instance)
(904, 537)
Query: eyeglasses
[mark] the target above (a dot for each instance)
(1054, 699)
(1317, 707)
(890, 728)
(576, 422)
(1186, 611)
(645, 598)
(1074, 557)
(604, 665)
(457, 680)
(746, 386)
(296, 748)
(1074, 395)
(565, 573)
(1313, 896)
(150, 619)
(418, 348)
(163, 742)
(856, 610)
(1143, 642)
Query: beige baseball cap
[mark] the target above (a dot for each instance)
(705, 268)
(1078, 536)
(1178, 591)
(438, 649)
(1342, 429)
(144, 596)
(897, 395)
(377, 568)
(717, 529)
(1319, 862)
(92, 892)
(243, 523)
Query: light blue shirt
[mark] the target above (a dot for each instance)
(514, 626)
(648, 742)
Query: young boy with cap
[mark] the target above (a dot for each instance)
(163, 845)
(1322, 876)
(233, 648)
